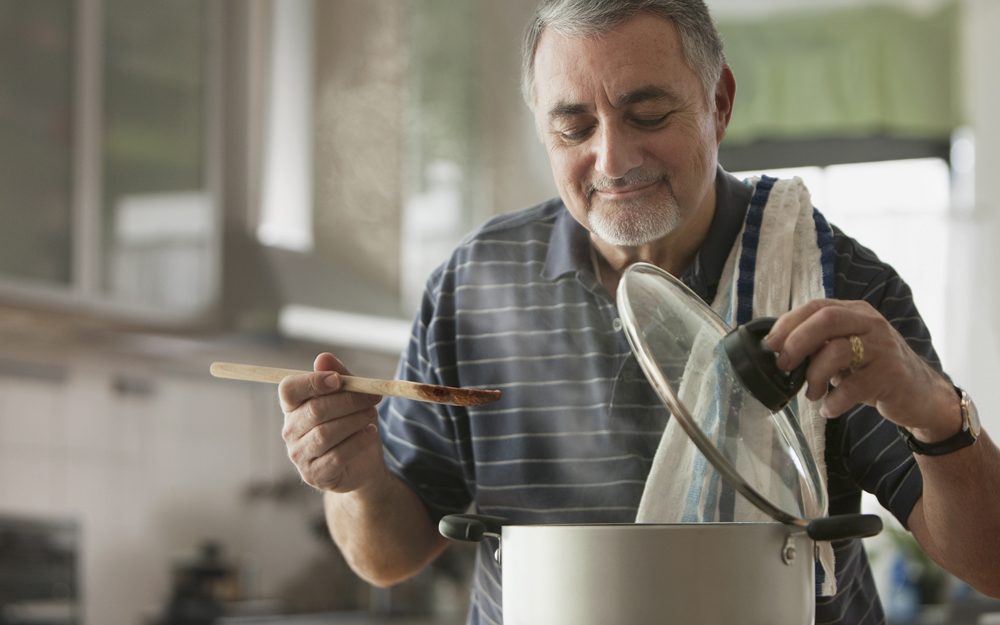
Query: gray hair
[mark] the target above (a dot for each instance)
(700, 41)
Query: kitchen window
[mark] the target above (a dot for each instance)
(108, 176)
(905, 211)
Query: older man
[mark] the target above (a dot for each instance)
(631, 98)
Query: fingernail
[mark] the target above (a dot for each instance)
(772, 344)
(824, 411)
(371, 429)
(374, 398)
(332, 381)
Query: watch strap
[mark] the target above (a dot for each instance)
(965, 436)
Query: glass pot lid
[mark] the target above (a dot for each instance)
(760, 452)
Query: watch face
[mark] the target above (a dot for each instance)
(973, 414)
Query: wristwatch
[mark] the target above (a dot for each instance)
(965, 437)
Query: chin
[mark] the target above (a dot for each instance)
(632, 227)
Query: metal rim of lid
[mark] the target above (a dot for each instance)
(641, 350)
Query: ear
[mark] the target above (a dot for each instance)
(725, 94)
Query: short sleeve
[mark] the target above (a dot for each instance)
(422, 440)
(864, 450)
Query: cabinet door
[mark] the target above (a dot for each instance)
(158, 224)
(36, 141)
(105, 159)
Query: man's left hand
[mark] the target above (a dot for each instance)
(886, 373)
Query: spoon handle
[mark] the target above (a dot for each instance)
(394, 388)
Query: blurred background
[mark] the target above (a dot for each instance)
(257, 181)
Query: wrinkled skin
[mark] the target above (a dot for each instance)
(332, 437)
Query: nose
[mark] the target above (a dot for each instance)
(618, 151)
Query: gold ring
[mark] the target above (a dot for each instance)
(857, 351)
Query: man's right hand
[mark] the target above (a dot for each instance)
(379, 523)
(331, 436)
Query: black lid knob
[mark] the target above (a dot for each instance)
(756, 365)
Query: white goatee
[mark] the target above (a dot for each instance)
(632, 222)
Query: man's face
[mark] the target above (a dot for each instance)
(631, 140)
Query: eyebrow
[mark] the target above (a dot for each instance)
(566, 109)
(648, 93)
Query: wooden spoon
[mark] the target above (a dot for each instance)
(394, 388)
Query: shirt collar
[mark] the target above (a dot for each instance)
(569, 246)
(732, 199)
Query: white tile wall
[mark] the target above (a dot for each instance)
(149, 477)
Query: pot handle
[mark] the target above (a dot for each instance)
(471, 527)
(844, 526)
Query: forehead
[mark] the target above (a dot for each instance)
(642, 53)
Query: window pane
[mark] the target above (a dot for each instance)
(36, 82)
(440, 207)
(898, 209)
(157, 217)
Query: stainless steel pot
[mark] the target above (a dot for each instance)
(729, 399)
(663, 574)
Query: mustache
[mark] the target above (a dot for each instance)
(637, 176)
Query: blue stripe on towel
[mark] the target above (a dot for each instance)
(715, 479)
(690, 514)
(698, 472)
(748, 258)
(827, 255)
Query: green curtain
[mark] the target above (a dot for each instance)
(851, 73)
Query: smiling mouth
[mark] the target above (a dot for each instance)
(626, 191)
(633, 184)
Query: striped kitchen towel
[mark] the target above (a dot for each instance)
(783, 258)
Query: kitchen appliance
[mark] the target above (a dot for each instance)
(40, 570)
(723, 559)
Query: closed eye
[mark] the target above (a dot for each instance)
(575, 135)
(650, 122)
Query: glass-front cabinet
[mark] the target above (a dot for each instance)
(108, 188)
(36, 142)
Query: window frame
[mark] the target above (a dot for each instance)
(823, 152)
(85, 291)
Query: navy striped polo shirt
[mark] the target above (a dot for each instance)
(518, 307)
